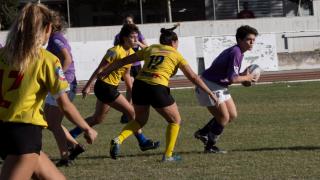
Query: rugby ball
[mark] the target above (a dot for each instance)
(256, 71)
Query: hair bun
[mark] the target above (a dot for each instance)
(163, 30)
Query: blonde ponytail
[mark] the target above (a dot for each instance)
(25, 36)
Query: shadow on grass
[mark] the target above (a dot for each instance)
(293, 148)
(139, 155)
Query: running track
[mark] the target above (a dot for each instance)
(266, 77)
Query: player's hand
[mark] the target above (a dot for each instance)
(138, 43)
(90, 135)
(214, 98)
(85, 92)
(251, 78)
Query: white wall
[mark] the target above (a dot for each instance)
(292, 34)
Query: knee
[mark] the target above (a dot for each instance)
(233, 116)
(178, 121)
(141, 123)
(97, 120)
(131, 114)
(224, 119)
(175, 120)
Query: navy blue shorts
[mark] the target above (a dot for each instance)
(158, 96)
(135, 70)
(19, 139)
(105, 92)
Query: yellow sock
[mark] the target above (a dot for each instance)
(171, 138)
(128, 130)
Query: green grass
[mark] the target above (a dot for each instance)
(276, 136)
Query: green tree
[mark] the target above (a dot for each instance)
(8, 11)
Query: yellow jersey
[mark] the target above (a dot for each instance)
(116, 53)
(160, 63)
(22, 95)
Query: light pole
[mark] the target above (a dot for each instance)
(141, 13)
(169, 11)
(68, 12)
(238, 5)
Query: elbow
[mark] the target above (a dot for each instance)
(233, 79)
(193, 78)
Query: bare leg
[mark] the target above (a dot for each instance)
(99, 114)
(46, 169)
(19, 167)
(121, 104)
(223, 115)
(171, 114)
(54, 118)
(70, 139)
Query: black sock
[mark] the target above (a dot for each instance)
(215, 131)
(216, 128)
(207, 127)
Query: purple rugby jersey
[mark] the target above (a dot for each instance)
(140, 39)
(225, 67)
(56, 43)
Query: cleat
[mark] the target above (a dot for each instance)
(114, 148)
(214, 149)
(124, 119)
(174, 158)
(76, 151)
(203, 138)
(64, 162)
(149, 144)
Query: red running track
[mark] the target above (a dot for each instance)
(279, 76)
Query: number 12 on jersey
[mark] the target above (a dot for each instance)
(155, 61)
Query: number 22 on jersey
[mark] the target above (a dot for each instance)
(15, 85)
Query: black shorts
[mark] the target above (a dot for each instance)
(135, 70)
(19, 138)
(158, 96)
(105, 92)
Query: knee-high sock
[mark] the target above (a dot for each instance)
(206, 129)
(215, 131)
(128, 130)
(171, 138)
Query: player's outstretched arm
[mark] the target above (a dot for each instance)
(86, 89)
(116, 65)
(71, 112)
(195, 79)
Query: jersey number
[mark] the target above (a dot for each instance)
(155, 61)
(18, 78)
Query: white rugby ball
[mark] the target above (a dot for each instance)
(256, 71)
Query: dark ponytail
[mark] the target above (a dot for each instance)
(167, 35)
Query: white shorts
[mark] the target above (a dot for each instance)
(71, 94)
(221, 92)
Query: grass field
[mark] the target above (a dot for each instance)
(276, 136)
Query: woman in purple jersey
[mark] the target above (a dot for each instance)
(223, 72)
(59, 46)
